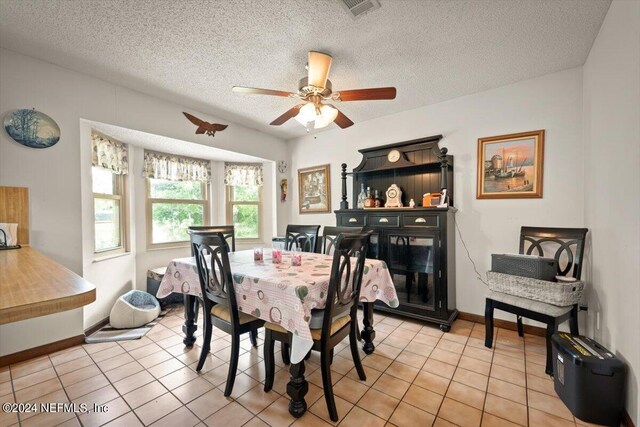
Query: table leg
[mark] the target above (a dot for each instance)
(297, 388)
(190, 316)
(368, 334)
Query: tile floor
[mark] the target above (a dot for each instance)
(418, 376)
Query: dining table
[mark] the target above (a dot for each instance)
(285, 294)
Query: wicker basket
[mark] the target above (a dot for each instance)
(556, 293)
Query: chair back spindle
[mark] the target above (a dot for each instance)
(228, 231)
(565, 245)
(330, 237)
(212, 262)
(346, 279)
(302, 237)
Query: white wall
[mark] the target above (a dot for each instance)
(25, 334)
(56, 180)
(612, 188)
(552, 102)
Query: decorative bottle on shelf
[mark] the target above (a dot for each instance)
(361, 197)
(377, 202)
(369, 202)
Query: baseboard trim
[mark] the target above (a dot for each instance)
(504, 324)
(30, 353)
(52, 347)
(96, 327)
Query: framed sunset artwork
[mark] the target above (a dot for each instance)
(510, 166)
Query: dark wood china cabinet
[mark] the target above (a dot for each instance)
(416, 243)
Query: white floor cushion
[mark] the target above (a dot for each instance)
(134, 309)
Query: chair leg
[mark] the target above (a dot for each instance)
(308, 356)
(520, 326)
(269, 360)
(488, 323)
(233, 363)
(331, 356)
(253, 336)
(353, 343)
(284, 347)
(325, 366)
(206, 342)
(552, 327)
(573, 321)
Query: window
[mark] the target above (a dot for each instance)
(110, 165)
(109, 211)
(244, 206)
(172, 207)
(177, 194)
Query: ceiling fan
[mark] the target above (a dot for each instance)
(315, 90)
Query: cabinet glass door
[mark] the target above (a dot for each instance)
(374, 251)
(413, 261)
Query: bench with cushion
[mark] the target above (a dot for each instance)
(154, 277)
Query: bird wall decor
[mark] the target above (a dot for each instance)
(206, 128)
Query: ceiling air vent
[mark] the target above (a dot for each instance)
(357, 8)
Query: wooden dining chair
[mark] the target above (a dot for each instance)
(228, 231)
(566, 246)
(325, 245)
(219, 300)
(339, 316)
(303, 237)
(330, 236)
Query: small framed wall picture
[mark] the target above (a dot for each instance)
(510, 166)
(314, 189)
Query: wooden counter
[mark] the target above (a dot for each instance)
(33, 285)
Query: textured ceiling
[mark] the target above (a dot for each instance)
(192, 52)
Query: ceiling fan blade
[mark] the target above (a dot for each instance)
(292, 112)
(342, 120)
(257, 91)
(319, 66)
(367, 94)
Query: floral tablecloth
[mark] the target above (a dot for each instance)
(281, 293)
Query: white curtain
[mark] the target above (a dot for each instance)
(249, 174)
(109, 154)
(175, 168)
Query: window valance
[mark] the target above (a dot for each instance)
(249, 174)
(175, 168)
(109, 154)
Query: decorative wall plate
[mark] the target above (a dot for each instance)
(31, 128)
(282, 166)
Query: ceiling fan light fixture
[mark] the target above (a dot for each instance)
(315, 89)
(306, 114)
(327, 115)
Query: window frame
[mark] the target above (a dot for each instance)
(120, 190)
(229, 204)
(149, 201)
